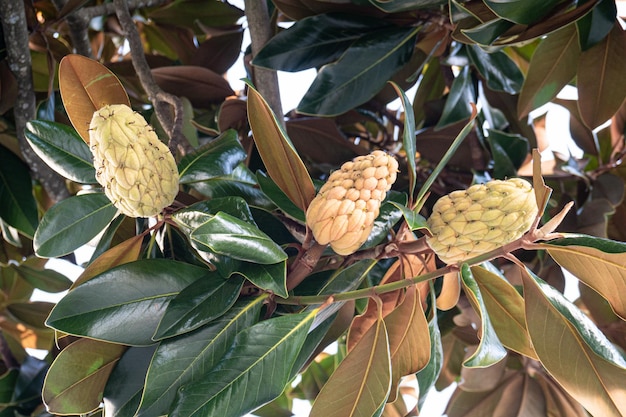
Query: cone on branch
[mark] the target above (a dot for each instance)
(137, 171)
(468, 223)
(342, 214)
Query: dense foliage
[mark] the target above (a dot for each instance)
(224, 304)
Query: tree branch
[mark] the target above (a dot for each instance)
(163, 102)
(13, 20)
(265, 80)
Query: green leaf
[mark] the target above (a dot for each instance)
(279, 156)
(71, 223)
(458, 104)
(490, 350)
(261, 355)
(596, 24)
(125, 385)
(487, 33)
(600, 81)
(413, 220)
(62, 149)
(500, 72)
(314, 41)
(506, 309)
(124, 304)
(360, 73)
(408, 137)
(509, 151)
(271, 277)
(388, 216)
(241, 183)
(202, 301)
(217, 158)
(278, 197)
(189, 13)
(427, 377)
(552, 66)
(187, 358)
(597, 379)
(76, 379)
(228, 235)
(44, 279)
(525, 12)
(17, 204)
(395, 6)
(599, 263)
(361, 383)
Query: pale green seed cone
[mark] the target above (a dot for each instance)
(469, 223)
(136, 170)
(343, 212)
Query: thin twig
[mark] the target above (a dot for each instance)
(163, 102)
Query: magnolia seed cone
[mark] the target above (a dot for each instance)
(137, 171)
(471, 222)
(342, 214)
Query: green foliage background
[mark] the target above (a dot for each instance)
(218, 305)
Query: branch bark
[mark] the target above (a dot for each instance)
(265, 80)
(13, 20)
(164, 103)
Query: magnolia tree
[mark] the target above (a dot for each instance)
(232, 244)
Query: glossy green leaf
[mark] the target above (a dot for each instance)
(458, 104)
(600, 81)
(487, 33)
(396, 6)
(388, 216)
(261, 356)
(71, 223)
(525, 12)
(361, 383)
(124, 304)
(47, 280)
(241, 183)
(17, 204)
(597, 379)
(413, 220)
(314, 41)
(228, 235)
(490, 349)
(271, 277)
(596, 24)
(217, 158)
(62, 149)
(408, 136)
(509, 151)
(278, 197)
(506, 309)
(186, 359)
(76, 379)
(279, 156)
(202, 301)
(427, 377)
(500, 72)
(360, 73)
(125, 385)
(599, 263)
(552, 66)
(187, 13)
